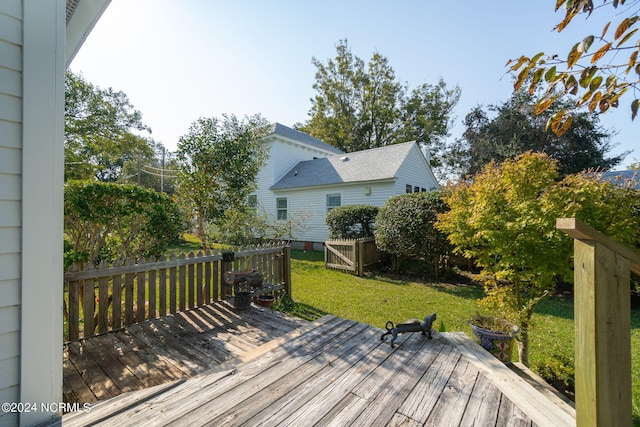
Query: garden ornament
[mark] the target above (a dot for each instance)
(413, 325)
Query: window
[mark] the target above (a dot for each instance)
(416, 189)
(409, 188)
(252, 200)
(281, 208)
(333, 201)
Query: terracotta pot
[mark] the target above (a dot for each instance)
(266, 300)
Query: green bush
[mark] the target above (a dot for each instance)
(405, 228)
(559, 371)
(104, 221)
(351, 221)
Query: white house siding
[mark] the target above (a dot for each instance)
(287, 154)
(10, 198)
(414, 171)
(312, 202)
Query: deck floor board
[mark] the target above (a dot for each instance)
(165, 349)
(330, 372)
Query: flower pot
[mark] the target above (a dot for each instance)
(266, 300)
(242, 300)
(499, 344)
(255, 279)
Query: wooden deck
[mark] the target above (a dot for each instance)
(166, 349)
(338, 372)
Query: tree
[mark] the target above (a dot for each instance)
(504, 219)
(598, 69)
(515, 129)
(405, 226)
(106, 221)
(100, 126)
(219, 160)
(358, 107)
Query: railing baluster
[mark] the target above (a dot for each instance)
(141, 298)
(89, 297)
(116, 300)
(191, 282)
(182, 298)
(128, 295)
(103, 301)
(130, 291)
(74, 306)
(152, 288)
(172, 287)
(163, 289)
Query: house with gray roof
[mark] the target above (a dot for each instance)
(305, 178)
(626, 178)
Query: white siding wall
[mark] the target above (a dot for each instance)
(10, 197)
(312, 201)
(416, 172)
(283, 155)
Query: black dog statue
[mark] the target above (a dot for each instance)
(413, 325)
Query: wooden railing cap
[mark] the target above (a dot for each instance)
(581, 231)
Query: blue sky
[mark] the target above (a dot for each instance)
(180, 60)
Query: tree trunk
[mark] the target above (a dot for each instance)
(523, 344)
(200, 231)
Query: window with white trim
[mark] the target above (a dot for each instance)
(281, 208)
(333, 201)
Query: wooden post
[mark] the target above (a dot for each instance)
(224, 267)
(360, 257)
(603, 326)
(286, 270)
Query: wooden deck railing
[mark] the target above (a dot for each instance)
(603, 326)
(109, 297)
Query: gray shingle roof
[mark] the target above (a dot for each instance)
(368, 165)
(287, 132)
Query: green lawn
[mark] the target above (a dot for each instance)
(376, 299)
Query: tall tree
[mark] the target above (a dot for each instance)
(219, 160)
(598, 69)
(506, 130)
(360, 106)
(101, 131)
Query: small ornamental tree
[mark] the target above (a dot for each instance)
(405, 227)
(351, 221)
(504, 219)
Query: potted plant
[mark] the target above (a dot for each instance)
(495, 334)
(266, 300)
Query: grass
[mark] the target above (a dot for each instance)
(376, 299)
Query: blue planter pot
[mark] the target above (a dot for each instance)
(499, 344)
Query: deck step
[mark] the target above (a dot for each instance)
(534, 403)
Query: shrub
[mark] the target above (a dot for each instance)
(559, 371)
(104, 221)
(351, 221)
(505, 218)
(405, 228)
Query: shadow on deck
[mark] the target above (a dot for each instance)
(338, 372)
(165, 349)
